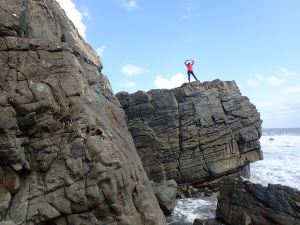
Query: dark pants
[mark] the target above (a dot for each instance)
(189, 74)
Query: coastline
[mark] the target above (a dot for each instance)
(280, 166)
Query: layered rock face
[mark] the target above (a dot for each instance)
(245, 203)
(193, 133)
(66, 156)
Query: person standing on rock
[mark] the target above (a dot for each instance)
(189, 64)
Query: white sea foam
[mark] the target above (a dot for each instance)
(281, 165)
(277, 141)
(188, 209)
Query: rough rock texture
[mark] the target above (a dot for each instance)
(207, 222)
(193, 133)
(66, 156)
(44, 20)
(7, 223)
(245, 203)
(166, 192)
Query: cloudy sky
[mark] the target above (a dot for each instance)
(143, 45)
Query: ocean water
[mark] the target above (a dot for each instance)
(281, 165)
(188, 209)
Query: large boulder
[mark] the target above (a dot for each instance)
(66, 155)
(245, 203)
(193, 133)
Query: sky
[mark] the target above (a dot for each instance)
(143, 45)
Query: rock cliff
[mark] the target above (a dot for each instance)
(66, 156)
(194, 133)
(246, 203)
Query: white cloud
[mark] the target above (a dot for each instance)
(131, 70)
(187, 13)
(130, 4)
(259, 77)
(293, 89)
(275, 80)
(286, 73)
(280, 78)
(252, 82)
(127, 84)
(74, 15)
(276, 97)
(87, 13)
(100, 50)
(279, 112)
(189, 9)
(175, 81)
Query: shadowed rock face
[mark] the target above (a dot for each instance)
(193, 133)
(245, 203)
(66, 156)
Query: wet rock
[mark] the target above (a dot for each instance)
(245, 203)
(207, 222)
(187, 191)
(194, 133)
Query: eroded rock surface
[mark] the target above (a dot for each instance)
(166, 192)
(207, 222)
(246, 203)
(193, 133)
(66, 156)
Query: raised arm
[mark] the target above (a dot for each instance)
(192, 61)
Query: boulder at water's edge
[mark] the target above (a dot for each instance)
(245, 203)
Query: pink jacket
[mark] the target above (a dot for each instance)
(189, 65)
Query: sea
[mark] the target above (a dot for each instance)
(281, 165)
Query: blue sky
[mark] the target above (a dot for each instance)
(143, 45)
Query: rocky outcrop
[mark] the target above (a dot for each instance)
(66, 156)
(46, 21)
(193, 133)
(246, 203)
(165, 193)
